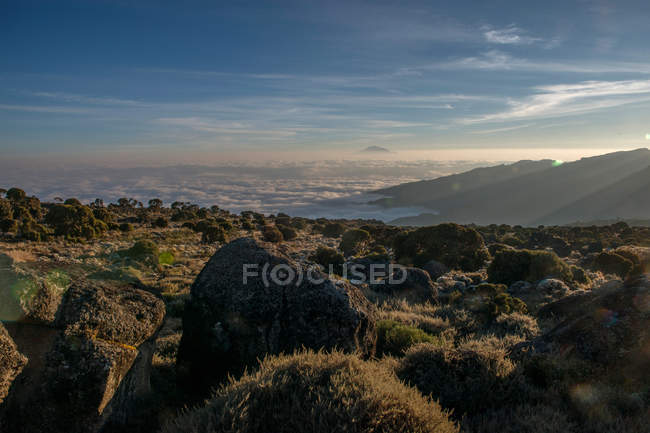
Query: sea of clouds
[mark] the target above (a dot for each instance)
(331, 189)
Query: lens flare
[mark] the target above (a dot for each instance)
(557, 163)
(647, 136)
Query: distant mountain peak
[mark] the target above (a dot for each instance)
(375, 149)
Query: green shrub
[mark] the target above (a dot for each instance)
(509, 266)
(143, 248)
(333, 230)
(8, 225)
(213, 233)
(16, 194)
(355, 242)
(579, 275)
(613, 263)
(103, 214)
(246, 225)
(6, 209)
(319, 393)
(327, 257)
(126, 227)
(74, 221)
(394, 338)
(272, 234)
(288, 233)
(455, 246)
(503, 303)
(160, 222)
(469, 379)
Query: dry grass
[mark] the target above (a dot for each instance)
(316, 392)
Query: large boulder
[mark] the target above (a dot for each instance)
(236, 316)
(610, 329)
(88, 368)
(412, 283)
(12, 362)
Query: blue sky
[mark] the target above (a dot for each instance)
(330, 76)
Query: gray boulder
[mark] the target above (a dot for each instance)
(435, 269)
(12, 362)
(412, 283)
(234, 318)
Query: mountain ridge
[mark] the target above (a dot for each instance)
(535, 196)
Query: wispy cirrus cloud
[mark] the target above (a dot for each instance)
(510, 35)
(497, 60)
(570, 99)
(85, 99)
(43, 109)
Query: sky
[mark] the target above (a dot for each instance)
(207, 80)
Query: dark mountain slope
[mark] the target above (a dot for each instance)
(527, 198)
(417, 193)
(628, 198)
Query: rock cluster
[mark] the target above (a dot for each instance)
(88, 358)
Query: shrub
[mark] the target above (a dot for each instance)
(469, 379)
(613, 263)
(288, 233)
(213, 233)
(394, 338)
(142, 248)
(6, 210)
(272, 234)
(8, 225)
(319, 393)
(16, 194)
(516, 323)
(327, 257)
(354, 242)
(74, 221)
(298, 223)
(103, 214)
(160, 222)
(455, 246)
(126, 227)
(579, 275)
(333, 230)
(246, 225)
(509, 266)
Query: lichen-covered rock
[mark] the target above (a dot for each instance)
(234, 318)
(24, 298)
(91, 366)
(610, 329)
(435, 269)
(12, 362)
(404, 280)
(111, 313)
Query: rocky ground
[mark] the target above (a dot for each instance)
(120, 332)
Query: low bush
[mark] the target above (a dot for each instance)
(469, 379)
(160, 222)
(455, 246)
(328, 257)
(355, 242)
(394, 338)
(272, 234)
(288, 233)
(333, 230)
(126, 227)
(613, 263)
(319, 393)
(509, 266)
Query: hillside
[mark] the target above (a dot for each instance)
(555, 194)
